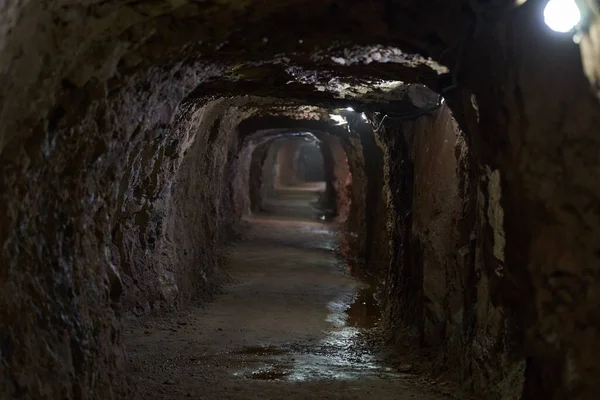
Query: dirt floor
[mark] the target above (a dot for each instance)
(291, 325)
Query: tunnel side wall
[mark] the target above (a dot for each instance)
(74, 112)
(341, 177)
(286, 163)
(172, 221)
(118, 217)
(63, 190)
(442, 285)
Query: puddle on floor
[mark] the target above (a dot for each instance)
(365, 311)
(269, 373)
(341, 355)
(261, 350)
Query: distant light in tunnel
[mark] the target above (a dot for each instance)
(562, 15)
(349, 109)
(338, 118)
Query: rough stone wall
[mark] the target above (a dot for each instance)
(200, 211)
(248, 159)
(341, 178)
(57, 252)
(403, 300)
(543, 176)
(590, 43)
(122, 219)
(375, 234)
(268, 172)
(165, 259)
(441, 292)
(84, 83)
(434, 143)
(328, 199)
(286, 163)
(353, 242)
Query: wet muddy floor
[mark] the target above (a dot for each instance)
(291, 325)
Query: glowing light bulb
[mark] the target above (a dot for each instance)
(562, 15)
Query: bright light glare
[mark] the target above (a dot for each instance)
(338, 118)
(561, 15)
(349, 109)
(363, 116)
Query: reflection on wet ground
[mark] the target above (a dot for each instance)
(269, 373)
(289, 232)
(262, 350)
(341, 355)
(297, 202)
(292, 324)
(365, 311)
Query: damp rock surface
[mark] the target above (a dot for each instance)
(293, 323)
(123, 152)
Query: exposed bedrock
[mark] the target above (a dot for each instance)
(134, 135)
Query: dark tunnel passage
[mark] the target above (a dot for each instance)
(337, 199)
(310, 163)
(283, 171)
(299, 164)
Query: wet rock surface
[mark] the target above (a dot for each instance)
(447, 283)
(292, 324)
(121, 137)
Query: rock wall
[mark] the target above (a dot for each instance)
(442, 284)
(341, 178)
(267, 172)
(115, 218)
(434, 144)
(286, 162)
(89, 92)
(177, 210)
(375, 235)
(61, 280)
(354, 241)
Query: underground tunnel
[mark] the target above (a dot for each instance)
(333, 199)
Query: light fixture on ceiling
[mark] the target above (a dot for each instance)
(562, 15)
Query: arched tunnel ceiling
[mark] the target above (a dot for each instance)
(95, 92)
(263, 137)
(101, 46)
(267, 125)
(323, 90)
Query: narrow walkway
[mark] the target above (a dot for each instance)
(291, 326)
